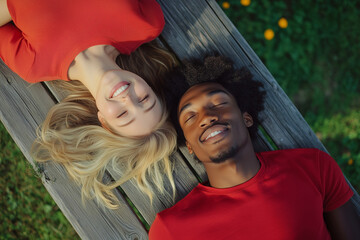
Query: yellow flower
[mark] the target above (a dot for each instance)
(269, 34)
(283, 23)
(245, 2)
(351, 161)
(226, 5)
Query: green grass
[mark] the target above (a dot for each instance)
(26, 209)
(315, 61)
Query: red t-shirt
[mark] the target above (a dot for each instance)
(46, 36)
(286, 200)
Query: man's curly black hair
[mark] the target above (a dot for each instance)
(249, 94)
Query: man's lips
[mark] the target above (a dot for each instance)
(215, 131)
(119, 88)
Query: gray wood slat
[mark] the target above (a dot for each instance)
(184, 179)
(55, 91)
(22, 108)
(197, 27)
(193, 28)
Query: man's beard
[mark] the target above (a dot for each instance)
(225, 155)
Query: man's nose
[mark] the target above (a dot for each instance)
(208, 119)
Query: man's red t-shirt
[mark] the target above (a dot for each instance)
(286, 200)
(46, 35)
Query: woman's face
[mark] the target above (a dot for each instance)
(127, 104)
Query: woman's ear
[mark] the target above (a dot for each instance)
(102, 121)
(248, 120)
(189, 147)
(101, 118)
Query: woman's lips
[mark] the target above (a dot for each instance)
(119, 88)
(213, 133)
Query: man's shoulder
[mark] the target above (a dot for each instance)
(189, 201)
(305, 158)
(296, 153)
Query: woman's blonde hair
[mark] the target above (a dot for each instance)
(72, 136)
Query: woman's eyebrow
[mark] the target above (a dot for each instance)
(124, 125)
(151, 107)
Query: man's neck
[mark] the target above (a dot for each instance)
(234, 171)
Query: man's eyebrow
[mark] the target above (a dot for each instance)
(209, 94)
(213, 92)
(184, 107)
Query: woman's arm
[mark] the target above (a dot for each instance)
(343, 223)
(5, 16)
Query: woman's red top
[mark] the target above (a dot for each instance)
(46, 35)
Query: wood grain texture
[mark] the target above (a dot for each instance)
(22, 108)
(192, 29)
(185, 180)
(195, 28)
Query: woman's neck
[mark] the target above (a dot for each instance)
(90, 65)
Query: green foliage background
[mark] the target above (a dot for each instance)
(314, 59)
(26, 209)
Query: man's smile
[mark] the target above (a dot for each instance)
(214, 133)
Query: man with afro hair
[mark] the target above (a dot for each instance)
(283, 194)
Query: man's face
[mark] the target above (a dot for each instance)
(213, 125)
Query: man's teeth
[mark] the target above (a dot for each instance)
(120, 90)
(213, 134)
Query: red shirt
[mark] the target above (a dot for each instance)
(46, 35)
(285, 200)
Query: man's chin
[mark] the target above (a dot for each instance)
(225, 155)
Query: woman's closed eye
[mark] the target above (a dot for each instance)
(144, 99)
(123, 114)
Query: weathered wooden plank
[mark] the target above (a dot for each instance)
(193, 28)
(184, 176)
(22, 108)
(197, 27)
(185, 180)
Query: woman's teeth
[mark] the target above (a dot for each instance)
(120, 90)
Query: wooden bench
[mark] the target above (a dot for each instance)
(193, 28)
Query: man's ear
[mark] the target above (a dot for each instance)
(189, 147)
(248, 120)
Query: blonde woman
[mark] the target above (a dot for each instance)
(114, 113)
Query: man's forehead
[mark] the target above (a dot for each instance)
(192, 93)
